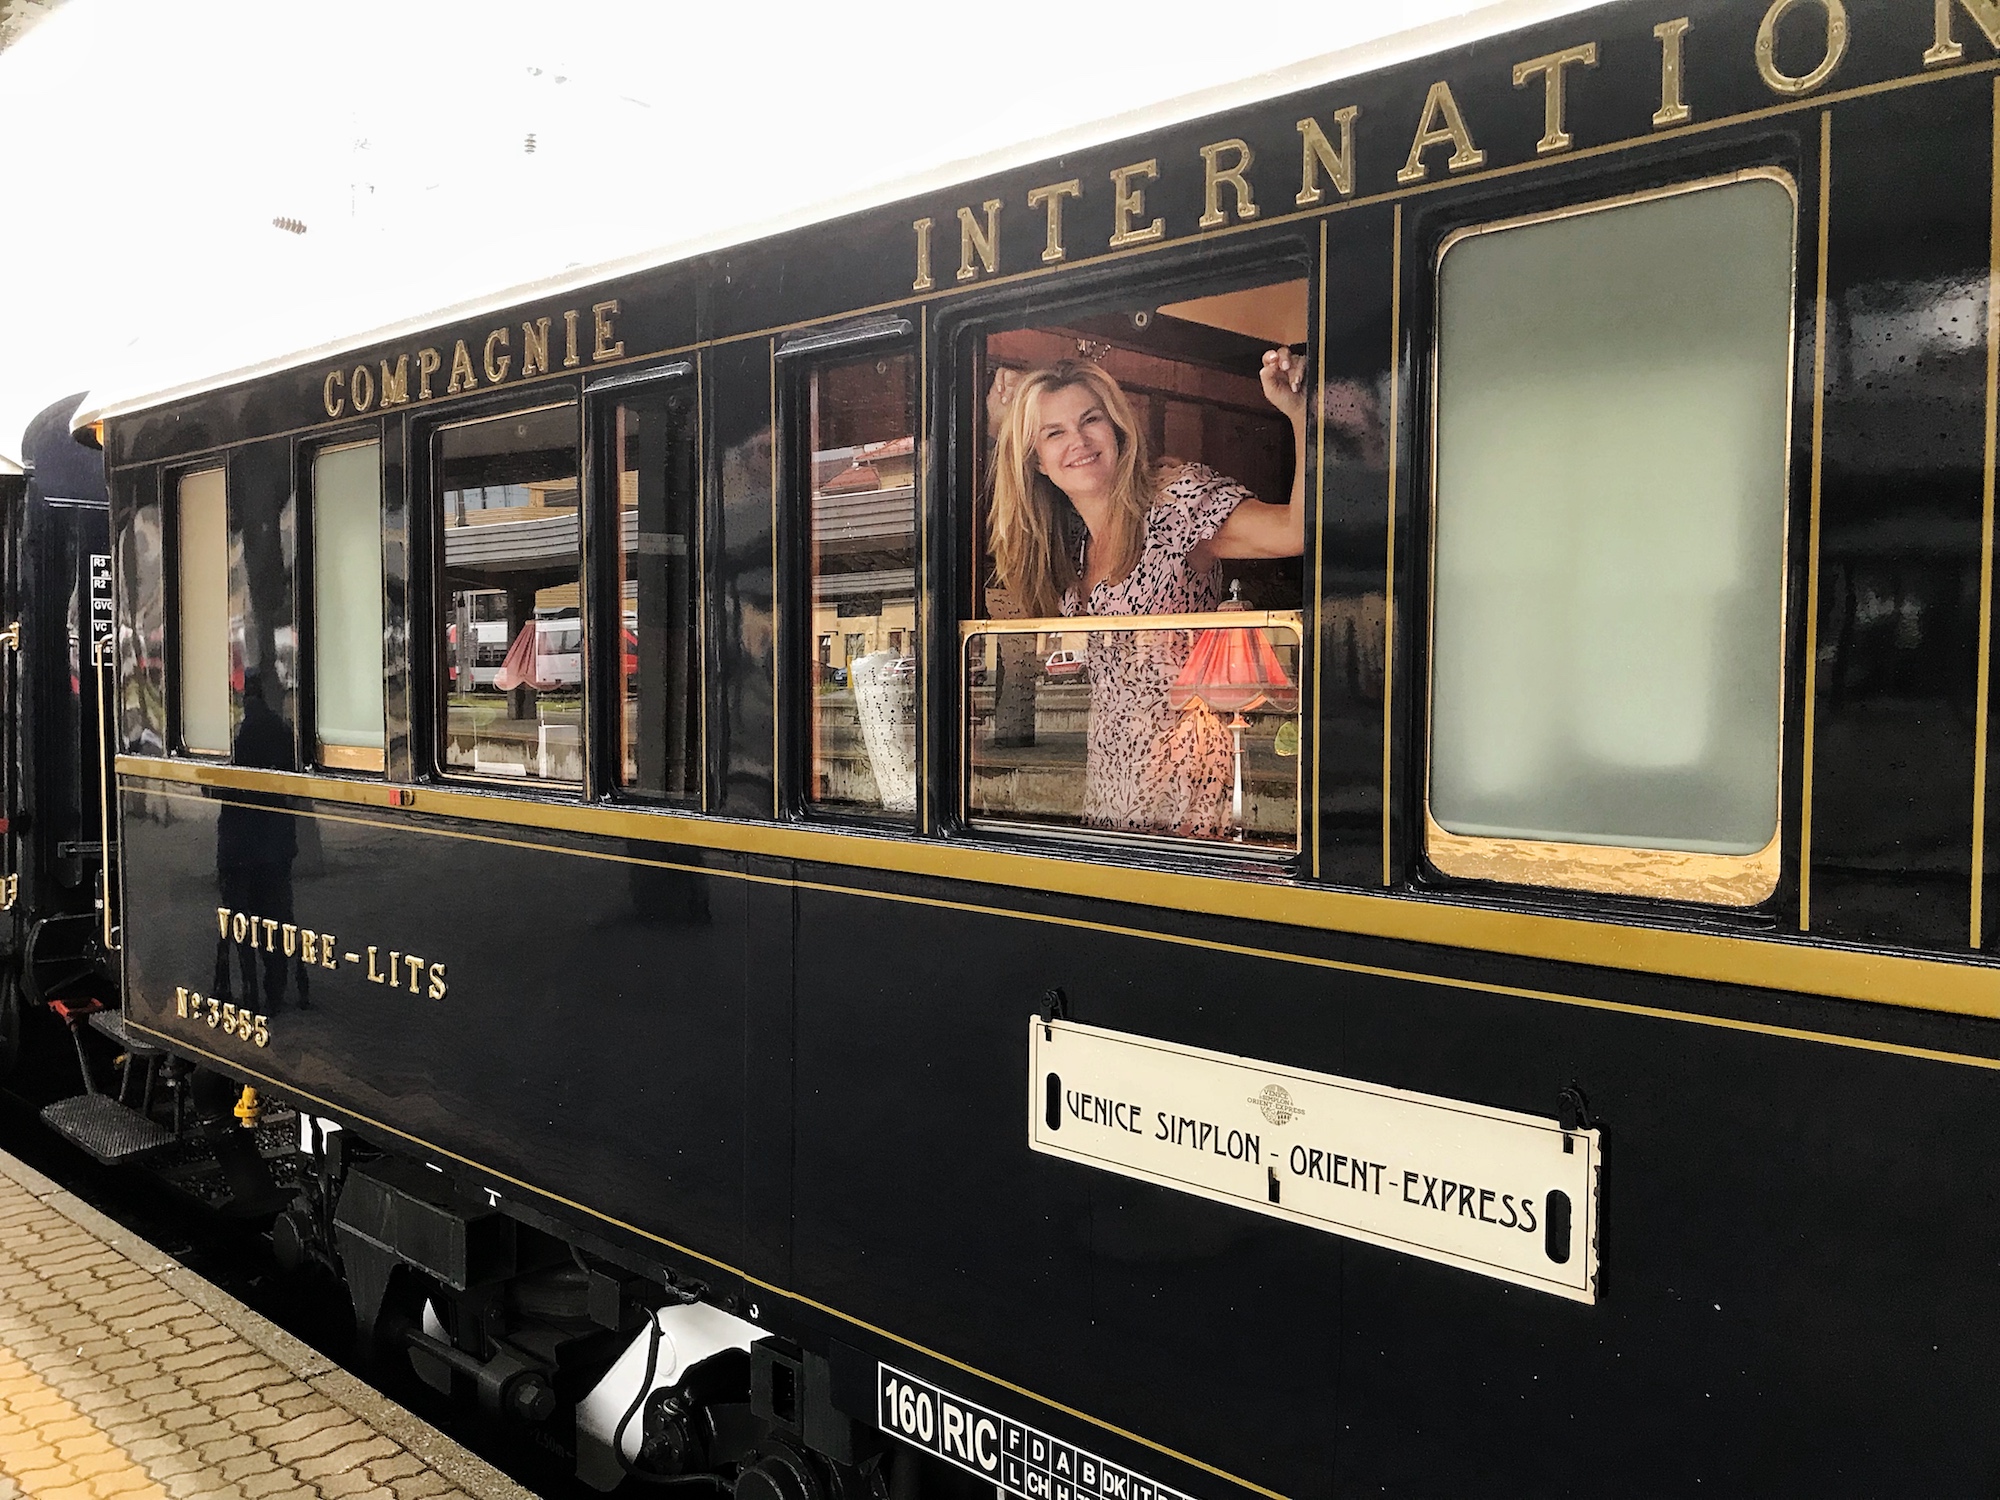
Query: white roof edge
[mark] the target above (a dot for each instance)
(1366, 57)
(8, 466)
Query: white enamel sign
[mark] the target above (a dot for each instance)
(1503, 1194)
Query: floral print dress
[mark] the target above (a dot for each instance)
(1149, 768)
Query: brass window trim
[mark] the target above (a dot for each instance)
(367, 759)
(1109, 839)
(1736, 880)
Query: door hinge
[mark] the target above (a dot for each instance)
(10, 887)
(11, 636)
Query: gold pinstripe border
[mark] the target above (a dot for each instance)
(1982, 693)
(1932, 984)
(1810, 708)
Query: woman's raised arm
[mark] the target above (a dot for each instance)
(1255, 529)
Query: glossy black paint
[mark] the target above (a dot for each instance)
(814, 1075)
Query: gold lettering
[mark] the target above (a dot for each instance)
(361, 389)
(394, 976)
(1767, 46)
(270, 932)
(416, 966)
(1986, 13)
(535, 348)
(291, 939)
(463, 377)
(1441, 125)
(429, 362)
(571, 359)
(604, 347)
(1051, 198)
(255, 946)
(180, 1000)
(373, 977)
(972, 239)
(308, 946)
(496, 371)
(1318, 152)
(1550, 69)
(438, 985)
(334, 405)
(239, 926)
(396, 382)
(1214, 175)
(923, 283)
(326, 950)
(1128, 202)
(1673, 108)
(222, 921)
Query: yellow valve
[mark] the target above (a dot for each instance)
(249, 1109)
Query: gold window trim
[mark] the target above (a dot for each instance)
(1738, 880)
(1291, 620)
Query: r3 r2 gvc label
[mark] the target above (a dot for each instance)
(1018, 1460)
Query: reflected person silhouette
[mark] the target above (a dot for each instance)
(256, 843)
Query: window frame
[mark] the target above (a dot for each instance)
(604, 711)
(425, 460)
(307, 590)
(795, 359)
(1282, 252)
(1715, 882)
(172, 476)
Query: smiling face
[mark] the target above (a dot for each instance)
(1075, 442)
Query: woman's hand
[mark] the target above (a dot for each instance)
(1005, 382)
(1284, 380)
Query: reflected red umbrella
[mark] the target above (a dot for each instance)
(518, 670)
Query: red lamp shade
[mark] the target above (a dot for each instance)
(1233, 671)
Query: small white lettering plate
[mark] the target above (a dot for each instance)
(1488, 1190)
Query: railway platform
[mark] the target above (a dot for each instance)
(123, 1374)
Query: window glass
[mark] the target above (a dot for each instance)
(863, 543)
(1138, 549)
(347, 605)
(657, 478)
(1139, 728)
(1612, 429)
(206, 655)
(510, 642)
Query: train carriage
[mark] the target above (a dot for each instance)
(1562, 1055)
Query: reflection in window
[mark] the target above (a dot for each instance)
(863, 676)
(205, 657)
(1611, 477)
(659, 493)
(510, 641)
(1221, 764)
(347, 605)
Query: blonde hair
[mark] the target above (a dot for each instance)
(1032, 528)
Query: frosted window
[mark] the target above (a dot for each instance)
(203, 506)
(347, 605)
(1611, 474)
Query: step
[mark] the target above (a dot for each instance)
(105, 1128)
(112, 1024)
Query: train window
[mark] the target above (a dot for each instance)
(862, 677)
(1612, 430)
(1136, 672)
(207, 654)
(656, 474)
(347, 605)
(510, 636)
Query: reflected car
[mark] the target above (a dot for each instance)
(903, 666)
(1063, 664)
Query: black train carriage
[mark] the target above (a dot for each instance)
(613, 787)
(56, 946)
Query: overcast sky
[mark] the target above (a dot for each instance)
(146, 147)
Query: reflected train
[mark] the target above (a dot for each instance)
(1564, 1063)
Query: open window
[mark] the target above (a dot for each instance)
(1612, 415)
(1152, 693)
(510, 628)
